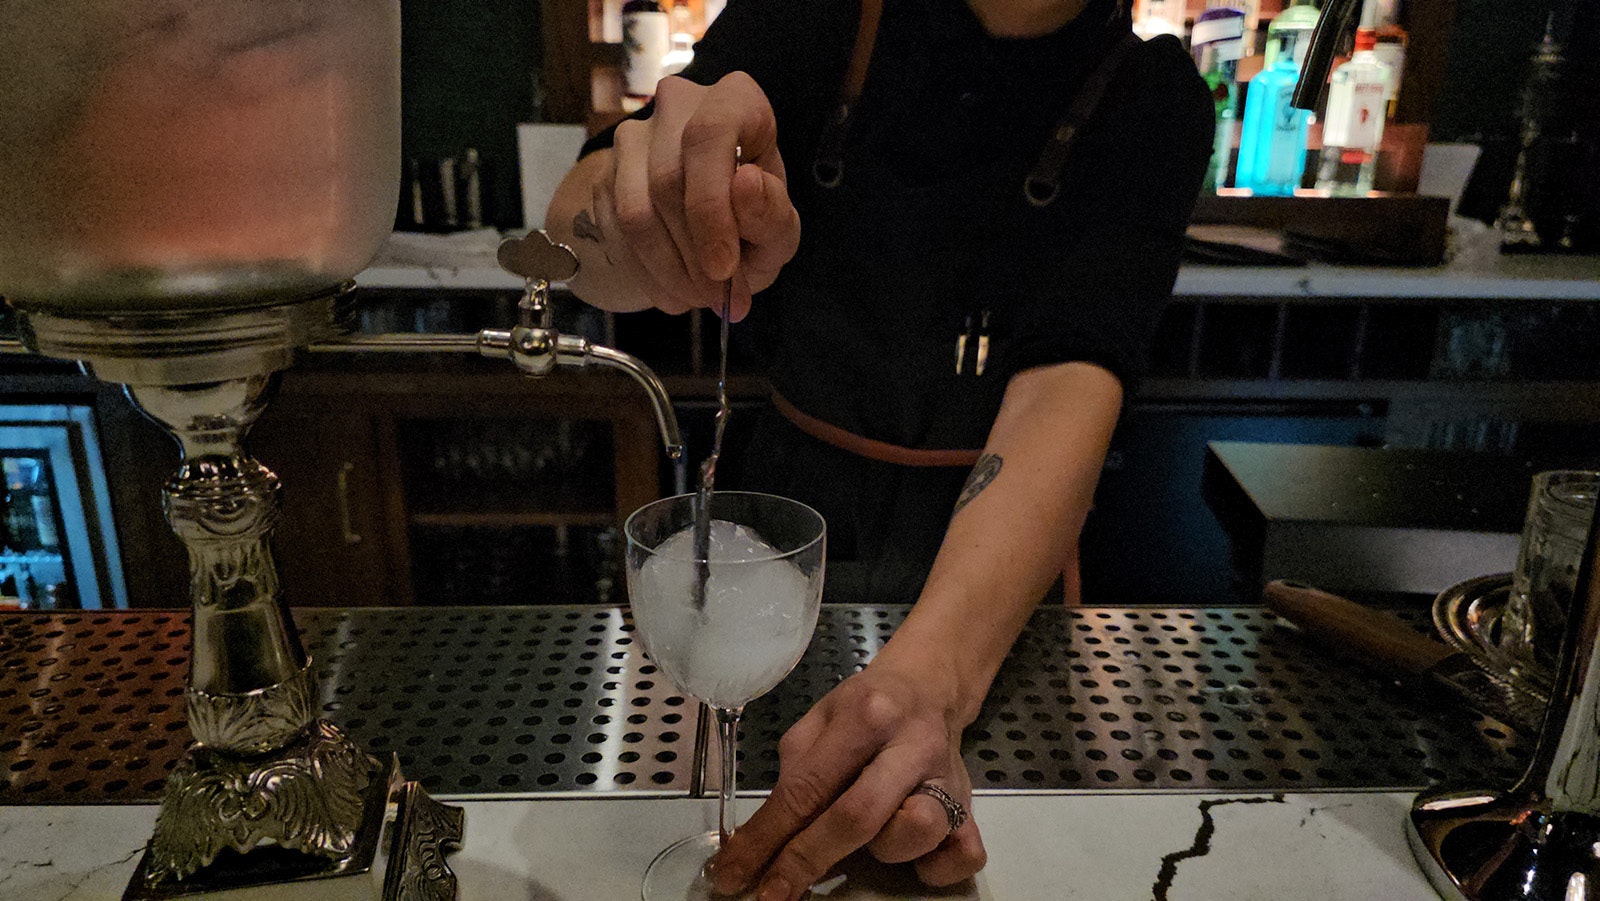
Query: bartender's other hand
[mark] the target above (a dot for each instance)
(847, 775)
(700, 193)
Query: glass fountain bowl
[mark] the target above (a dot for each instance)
(194, 154)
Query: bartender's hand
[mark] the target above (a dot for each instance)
(847, 778)
(685, 200)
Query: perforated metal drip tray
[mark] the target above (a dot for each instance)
(562, 700)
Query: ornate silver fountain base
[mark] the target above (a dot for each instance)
(270, 803)
(320, 820)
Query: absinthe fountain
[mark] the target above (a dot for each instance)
(186, 189)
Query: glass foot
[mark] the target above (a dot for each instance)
(678, 872)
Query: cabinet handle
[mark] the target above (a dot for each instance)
(346, 528)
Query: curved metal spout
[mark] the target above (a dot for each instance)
(534, 352)
(574, 351)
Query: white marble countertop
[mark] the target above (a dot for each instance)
(1097, 846)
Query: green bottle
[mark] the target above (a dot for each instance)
(1217, 43)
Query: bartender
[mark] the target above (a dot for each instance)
(950, 227)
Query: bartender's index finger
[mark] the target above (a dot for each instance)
(850, 822)
(640, 222)
(733, 122)
(784, 812)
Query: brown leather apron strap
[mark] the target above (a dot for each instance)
(1044, 182)
(828, 167)
(871, 448)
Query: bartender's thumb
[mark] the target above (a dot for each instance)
(769, 225)
(738, 297)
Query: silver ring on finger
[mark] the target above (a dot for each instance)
(954, 813)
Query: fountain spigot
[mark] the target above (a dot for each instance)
(537, 348)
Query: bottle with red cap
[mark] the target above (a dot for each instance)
(1352, 126)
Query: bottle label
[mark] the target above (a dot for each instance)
(1287, 119)
(1210, 31)
(1367, 108)
(1357, 121)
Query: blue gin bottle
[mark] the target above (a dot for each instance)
(1272, 143)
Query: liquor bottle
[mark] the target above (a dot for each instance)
(1159, 17)
(21, 488)
(1252, 24)
(611, 21)
(1217, 43)
(1272, 143)
(1298, 21)
(710, 10)
(681, 51)
(1391, 46)
(1541, 100)
(1352, 127)
(646, 38)
(44, 522)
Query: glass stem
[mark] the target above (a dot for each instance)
(728, 734)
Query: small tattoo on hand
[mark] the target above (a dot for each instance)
(585, 227)
(983, 473)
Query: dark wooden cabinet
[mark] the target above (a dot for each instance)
(437, 484)
(332, 544)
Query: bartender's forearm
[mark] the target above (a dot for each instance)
(1015, 525)
(581, 216)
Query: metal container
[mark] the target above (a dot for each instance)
(194, 154)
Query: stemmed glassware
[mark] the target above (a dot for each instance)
(730, 644)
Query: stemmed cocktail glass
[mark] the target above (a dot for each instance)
(729, 644)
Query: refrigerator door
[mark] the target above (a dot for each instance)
(58, 544)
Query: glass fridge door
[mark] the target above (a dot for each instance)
(58, 546)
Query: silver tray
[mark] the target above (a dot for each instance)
(1467, 616)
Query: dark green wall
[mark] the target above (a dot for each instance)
(1489, 52)
(469, 73)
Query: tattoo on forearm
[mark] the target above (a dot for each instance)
(983, 473)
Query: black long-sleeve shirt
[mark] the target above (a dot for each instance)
(929, 235)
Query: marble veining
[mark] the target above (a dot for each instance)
(1201, 846)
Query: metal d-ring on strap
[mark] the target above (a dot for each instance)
(828, 167)
(1044, 182)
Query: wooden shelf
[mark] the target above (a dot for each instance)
(1410, 229)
